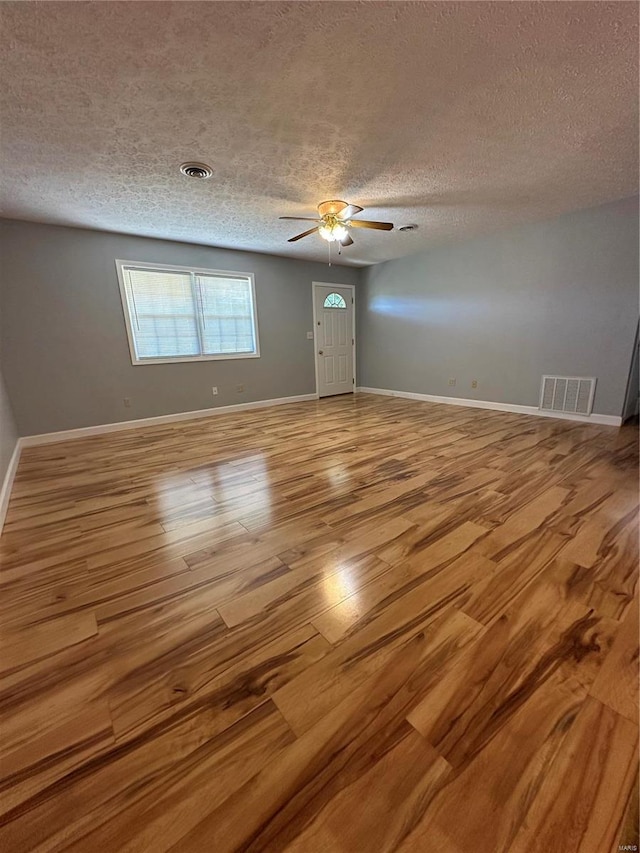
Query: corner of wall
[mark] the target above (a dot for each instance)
(9, 451)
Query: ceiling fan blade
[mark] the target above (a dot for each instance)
(304, 234)
(301, 218)
(349, 211)
(332, 207)
(346, 241)
(363, 223)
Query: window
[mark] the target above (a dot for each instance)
(334, 300)
(183, 314)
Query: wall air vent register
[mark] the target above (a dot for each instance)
(571, 394)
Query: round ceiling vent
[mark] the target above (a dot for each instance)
(406, 228)
(196, 170)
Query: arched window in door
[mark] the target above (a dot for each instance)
(334, 300)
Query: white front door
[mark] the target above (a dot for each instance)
(333, 312)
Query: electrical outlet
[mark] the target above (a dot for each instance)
(239, 389)
(474, 383)
(127, 402)
(452, 382)
(214, 390)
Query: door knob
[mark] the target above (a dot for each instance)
(320, 352)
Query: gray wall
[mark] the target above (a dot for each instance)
(64, 347)
(8, 432)
(558, 297)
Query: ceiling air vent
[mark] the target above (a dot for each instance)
(572, 394)
(196, 170)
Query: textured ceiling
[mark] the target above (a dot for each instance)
(460, 117)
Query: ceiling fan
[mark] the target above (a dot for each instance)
(335, 219)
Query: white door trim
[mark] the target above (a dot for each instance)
(352, 288)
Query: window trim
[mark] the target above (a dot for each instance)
(121, 264)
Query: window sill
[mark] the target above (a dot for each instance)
(193, 358)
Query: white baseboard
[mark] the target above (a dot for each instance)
(5, 492)
(100, 429)
(607, 420)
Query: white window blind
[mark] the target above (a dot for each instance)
(182, 314)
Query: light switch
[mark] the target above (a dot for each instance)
(309, 336)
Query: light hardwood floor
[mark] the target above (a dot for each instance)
(363, 624)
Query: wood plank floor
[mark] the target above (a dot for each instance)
(363, 624)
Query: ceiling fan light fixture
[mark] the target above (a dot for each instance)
(326, 232)
(332, 232)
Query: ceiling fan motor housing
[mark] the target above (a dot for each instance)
(331, 207)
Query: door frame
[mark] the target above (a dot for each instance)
(352, 288)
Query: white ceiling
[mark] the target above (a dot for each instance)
(460, 117)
